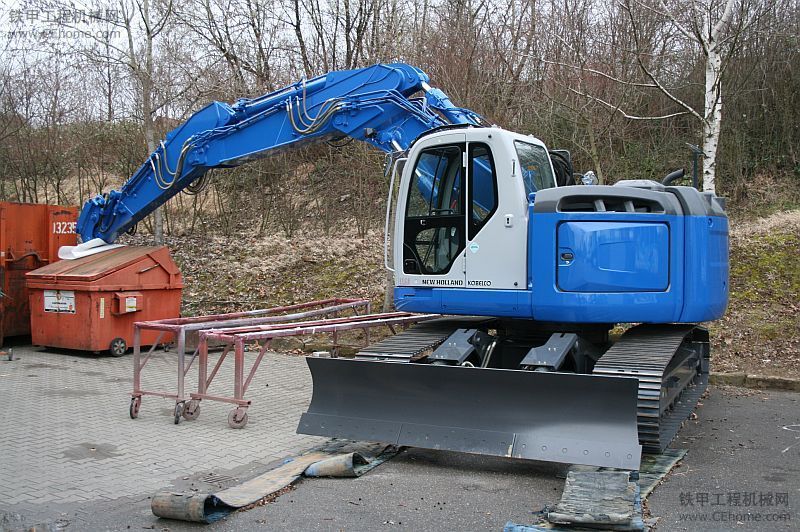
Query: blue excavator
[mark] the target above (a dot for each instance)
(531, 273)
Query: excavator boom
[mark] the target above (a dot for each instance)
(374, 104)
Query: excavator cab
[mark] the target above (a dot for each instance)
(462, 203)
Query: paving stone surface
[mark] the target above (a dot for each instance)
(66, 435)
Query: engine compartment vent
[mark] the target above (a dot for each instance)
(609, 204)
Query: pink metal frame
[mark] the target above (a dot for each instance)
(236, 339)
(179, 327)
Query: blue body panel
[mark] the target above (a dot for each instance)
(626, 268)
(613, 256)
(465, 301)
(603, 305)
(706, 268)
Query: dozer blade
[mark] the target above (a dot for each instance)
(555, 417)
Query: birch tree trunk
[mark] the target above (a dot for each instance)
(712, 123)
(150, 140)
(712, 112)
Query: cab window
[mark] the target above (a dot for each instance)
(436, 183)
(434, 228)
(534, 163)
(482, 187)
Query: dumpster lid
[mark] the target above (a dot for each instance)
(99, 265)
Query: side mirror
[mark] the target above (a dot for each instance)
(589, 178)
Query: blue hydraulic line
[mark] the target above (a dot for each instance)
(372, 104)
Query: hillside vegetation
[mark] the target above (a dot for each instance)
(760, 333)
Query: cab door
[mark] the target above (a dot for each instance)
(496, 249)
(434, 220)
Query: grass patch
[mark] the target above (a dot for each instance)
(760, 332)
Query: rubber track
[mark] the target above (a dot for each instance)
(645, 352)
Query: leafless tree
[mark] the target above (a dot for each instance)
(622, 85)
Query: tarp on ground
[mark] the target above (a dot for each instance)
(337, 459)
(604, 498)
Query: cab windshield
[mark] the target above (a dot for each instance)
(534, 162)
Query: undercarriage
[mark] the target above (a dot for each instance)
(540, 391)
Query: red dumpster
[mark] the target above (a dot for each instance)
(91, 303)
(30, 235)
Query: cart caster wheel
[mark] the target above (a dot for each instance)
(237, 419)
(178, 412)
(191, 410)
(136, 402)
(117, 347)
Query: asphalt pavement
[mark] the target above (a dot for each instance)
(742, 470)
(742, 442)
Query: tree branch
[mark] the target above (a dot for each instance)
(600, 73)
(650, 75)
(619, 110)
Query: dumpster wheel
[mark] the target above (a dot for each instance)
(117, 347)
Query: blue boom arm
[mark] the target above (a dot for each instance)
(372, 104)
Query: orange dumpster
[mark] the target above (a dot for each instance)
(91, 303)
(30, 235)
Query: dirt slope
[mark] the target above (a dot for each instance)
(229, 274)
(760, 332)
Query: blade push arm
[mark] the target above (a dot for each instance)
(372, 104)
